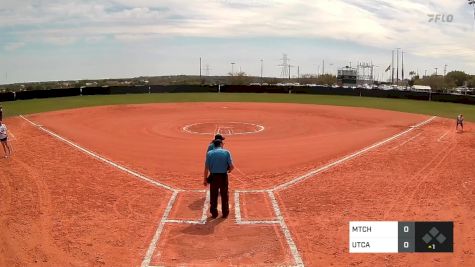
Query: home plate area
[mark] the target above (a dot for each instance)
(251, 235)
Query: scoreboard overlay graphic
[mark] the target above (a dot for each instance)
(400, 237)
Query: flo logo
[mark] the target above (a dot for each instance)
(444, 18)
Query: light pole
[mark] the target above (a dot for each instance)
(232, 68)
(392, 67)
(397, 65)
(262, 68)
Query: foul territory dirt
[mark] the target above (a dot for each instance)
(61, 207)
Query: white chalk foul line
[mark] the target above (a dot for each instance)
(96, 156)
(348, 157)
(285, 230)
(158, 233)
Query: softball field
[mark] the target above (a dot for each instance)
(122, 185)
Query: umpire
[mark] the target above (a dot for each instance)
(218, 164)
(211, 145)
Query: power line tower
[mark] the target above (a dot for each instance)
(207, 69)
(285, 66)
(365, 73)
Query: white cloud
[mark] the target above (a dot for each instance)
(383, 24)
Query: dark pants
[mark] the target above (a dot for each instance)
(219, 184)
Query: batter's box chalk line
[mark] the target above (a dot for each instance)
(271, 192)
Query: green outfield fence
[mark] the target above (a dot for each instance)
(318, 90)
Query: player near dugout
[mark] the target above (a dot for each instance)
(4, 140)
(218, 164)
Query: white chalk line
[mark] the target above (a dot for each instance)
(259, 128)
(237, 207)
(348, 157)
(237, 211)
(195, 190)
(205, 207)
(203, 214)
(405, 142)
(100, 158)
(285, 230)
(442, 137)
(158, 233)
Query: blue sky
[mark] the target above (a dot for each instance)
(43, 40)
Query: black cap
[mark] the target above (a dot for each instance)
(217, 142)
(219, 136)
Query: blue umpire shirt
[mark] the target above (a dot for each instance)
(218, 160)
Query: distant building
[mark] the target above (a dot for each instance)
(421, 88)
(347, 76)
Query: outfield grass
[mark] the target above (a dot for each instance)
(449, 110)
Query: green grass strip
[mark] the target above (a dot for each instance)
(448, 110)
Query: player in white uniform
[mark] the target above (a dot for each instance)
(4, 140)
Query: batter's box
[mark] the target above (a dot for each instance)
(254, 207)
(222, 242)
(190, 206)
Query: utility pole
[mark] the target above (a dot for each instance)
(200, 67)
(392, 68)
(262, 68)
(285, 65)
(397, 66)
(207, 69)
(323, 68)
(436, 71)
(402, 66)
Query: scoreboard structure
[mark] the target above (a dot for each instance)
(400, 237)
